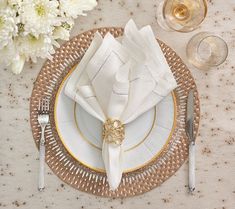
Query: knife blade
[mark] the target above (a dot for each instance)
(190, 131)
(190, 116)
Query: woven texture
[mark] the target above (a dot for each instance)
(83, 178)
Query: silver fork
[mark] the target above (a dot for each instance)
(43, 120)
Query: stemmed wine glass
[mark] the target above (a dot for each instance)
(181, 15)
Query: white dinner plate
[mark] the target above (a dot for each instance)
(145, 137)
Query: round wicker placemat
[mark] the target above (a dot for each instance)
(83, 178)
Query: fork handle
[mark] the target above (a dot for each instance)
(41, 184)
(191, 167)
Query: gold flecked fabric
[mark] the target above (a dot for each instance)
(83, 178)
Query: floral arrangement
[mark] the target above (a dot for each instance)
(29, 29)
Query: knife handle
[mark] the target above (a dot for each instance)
(191, 166)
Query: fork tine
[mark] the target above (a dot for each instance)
(48, 104)
(39, 104)
(43, 105)
(45, 102)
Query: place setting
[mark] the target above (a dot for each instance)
(117, 126)
(115, 111)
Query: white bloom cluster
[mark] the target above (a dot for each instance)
(30, 28)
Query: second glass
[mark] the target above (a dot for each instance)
(206, 50)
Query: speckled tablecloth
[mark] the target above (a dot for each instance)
(215, 145)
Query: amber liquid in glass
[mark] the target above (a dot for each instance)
(181, 12)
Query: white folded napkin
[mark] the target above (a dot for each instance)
(120, 81)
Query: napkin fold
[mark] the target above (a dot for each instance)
(120, 80)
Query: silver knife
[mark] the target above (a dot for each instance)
(189, 131)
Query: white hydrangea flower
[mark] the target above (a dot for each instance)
(8, 26)
(39, 16)
(31, 47)
(73, 8)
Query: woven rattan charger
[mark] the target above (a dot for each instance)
(83, 178)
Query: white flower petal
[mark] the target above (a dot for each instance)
(73, 8)
(3, 4)
(8, 27)
(18, 64)
(61, 33)
(32, 47)
(7, 54)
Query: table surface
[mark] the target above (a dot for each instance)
(215, 161)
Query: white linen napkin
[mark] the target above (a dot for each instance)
(120, 81)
